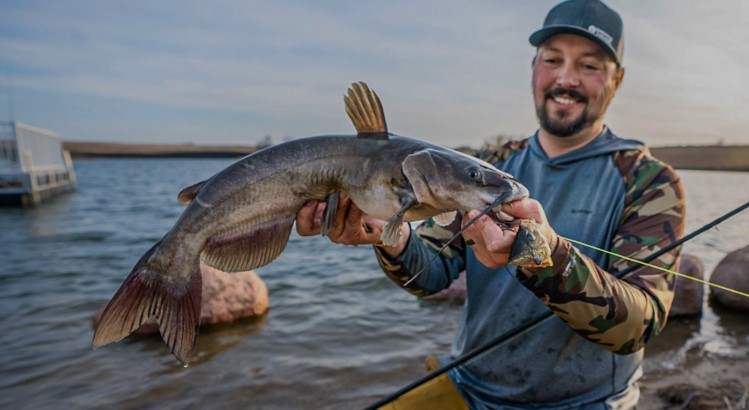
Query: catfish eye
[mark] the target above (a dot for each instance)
(475, 173)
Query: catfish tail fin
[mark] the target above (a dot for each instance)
(174, 300)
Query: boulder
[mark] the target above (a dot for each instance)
(733, 273)
(688, 294)
(720, 394)
(226, 297)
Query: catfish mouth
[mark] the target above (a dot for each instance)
(501, 216)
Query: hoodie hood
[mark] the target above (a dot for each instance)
(605, 143)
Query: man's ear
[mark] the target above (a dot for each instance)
(619, 77)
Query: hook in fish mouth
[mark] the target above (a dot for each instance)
(499, 208)
(502, 218)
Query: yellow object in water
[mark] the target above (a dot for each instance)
(437, 394)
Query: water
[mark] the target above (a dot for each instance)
(338, 333)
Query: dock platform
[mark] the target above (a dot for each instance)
(33, 165)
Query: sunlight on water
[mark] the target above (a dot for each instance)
(338, 333)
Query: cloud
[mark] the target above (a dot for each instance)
(451, 73)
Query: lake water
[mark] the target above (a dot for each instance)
(338, 333)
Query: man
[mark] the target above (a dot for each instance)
(588, 185)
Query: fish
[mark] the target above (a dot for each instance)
(240, 219)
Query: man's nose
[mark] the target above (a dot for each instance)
(568, 76)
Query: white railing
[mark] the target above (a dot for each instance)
(40, 150)
(24, 148)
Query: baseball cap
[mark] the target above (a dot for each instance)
(589, 18)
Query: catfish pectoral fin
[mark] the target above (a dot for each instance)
(331, 208)
(392, 229)
(173, 301)
(391, 232)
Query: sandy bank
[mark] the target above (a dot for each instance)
(716, 157)
(116, 150)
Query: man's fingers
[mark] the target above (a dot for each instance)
(338, 226)
(490, 243)
(527, 208)
(347, 227)
(350, 224)
(372, 228)
(354, 215)
(477, 227)
(308, 218)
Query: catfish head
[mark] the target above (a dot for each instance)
(448, 180)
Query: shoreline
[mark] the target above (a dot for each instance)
(684, 368)
(707, 157)
(79, 150)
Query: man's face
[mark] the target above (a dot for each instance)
(574, 81)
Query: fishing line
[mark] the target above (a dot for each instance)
(523, 328)
(673, 272)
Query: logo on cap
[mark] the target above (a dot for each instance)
(604, 36)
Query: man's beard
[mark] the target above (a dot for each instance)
(559, 127)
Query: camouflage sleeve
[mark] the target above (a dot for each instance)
(621, 315)
(497, 154)
(422, 247)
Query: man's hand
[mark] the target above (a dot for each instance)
(350, 226)
(493, 244)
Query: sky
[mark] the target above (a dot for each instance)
(452, 73)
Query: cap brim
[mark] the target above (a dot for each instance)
(540, 37)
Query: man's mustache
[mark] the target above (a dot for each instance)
(561, 91)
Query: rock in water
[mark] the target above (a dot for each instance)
(689, 294)
(721, 394)
(226, 297)
(732, 272)
(231, 296)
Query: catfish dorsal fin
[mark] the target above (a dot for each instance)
(188, 194)
(365, 110)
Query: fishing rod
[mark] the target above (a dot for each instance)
(525, 327)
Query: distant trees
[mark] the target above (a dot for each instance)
(265, 142)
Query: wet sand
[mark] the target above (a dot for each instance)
(687, 367)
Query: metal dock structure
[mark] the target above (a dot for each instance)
(33, 165)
